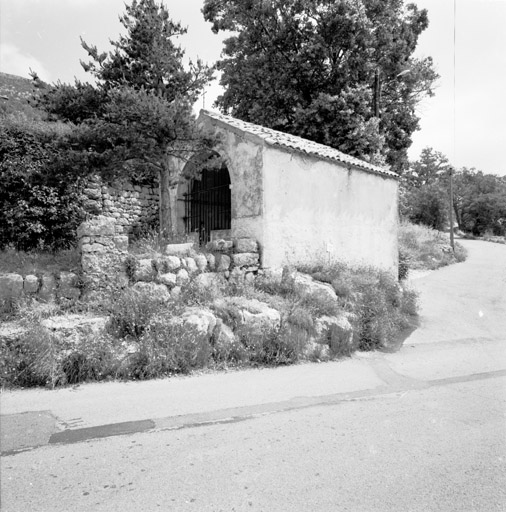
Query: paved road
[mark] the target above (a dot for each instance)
(421, 429)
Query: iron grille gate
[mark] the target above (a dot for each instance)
(207, 205)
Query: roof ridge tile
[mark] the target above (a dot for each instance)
(287, 140)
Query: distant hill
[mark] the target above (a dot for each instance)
(15, 95)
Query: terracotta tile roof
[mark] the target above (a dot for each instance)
(285, 140)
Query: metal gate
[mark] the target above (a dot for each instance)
(207, 205)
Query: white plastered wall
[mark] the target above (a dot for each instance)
(320, 211)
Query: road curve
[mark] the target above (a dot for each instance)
(466, 300)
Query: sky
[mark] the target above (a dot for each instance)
(465, 120)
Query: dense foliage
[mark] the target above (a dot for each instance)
(339, 72)
(479, 200)
(139, 113)
(40, 206)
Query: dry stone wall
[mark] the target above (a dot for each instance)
(221, 261)
(44, 287)
(103, 253)
(106, 264)
(129, 205)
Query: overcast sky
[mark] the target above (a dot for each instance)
(44, 35)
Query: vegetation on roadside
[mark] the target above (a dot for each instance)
(39, 262)
(479, 199)
(424, 248)
(144, 337)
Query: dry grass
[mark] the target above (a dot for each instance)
(36, 263)
(427, 249)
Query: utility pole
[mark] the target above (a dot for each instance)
(377, 92)
(452, 242)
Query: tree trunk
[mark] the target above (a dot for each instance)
(164, 206)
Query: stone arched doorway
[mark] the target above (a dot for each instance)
(204, 203)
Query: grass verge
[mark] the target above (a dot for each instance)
(423, 248)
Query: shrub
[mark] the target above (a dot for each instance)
(404, 264)
(39, 262)
(384, 311)
(91, 358)
(426, 248)
(167, 347)
(40, 202)
(32, 360)
(39, 357)
(131, 311)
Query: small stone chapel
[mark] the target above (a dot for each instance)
(302, 201)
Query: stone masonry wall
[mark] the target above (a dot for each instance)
(45, 287)
(129, 205)
(103, 253)
(105, 260)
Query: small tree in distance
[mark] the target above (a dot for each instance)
(138, 120)
(479, 200)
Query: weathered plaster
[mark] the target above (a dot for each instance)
(318, 210)
(244, 159)
(306, 203)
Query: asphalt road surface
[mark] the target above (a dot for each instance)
(426, 432)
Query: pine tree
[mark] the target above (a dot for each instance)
(137, 120)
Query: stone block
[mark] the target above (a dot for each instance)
(305, 286)
(245, 245)
(245, 259)
(178, 249)
(159, 291)
(93, 193)
(226, 343)
(210, 281)
(92, 206)
(249, 277)
(182, 277)
(201, 262)
(47, 290)
(100, 225)
(222, 262)
(190, 265)
(220, 245)
(11, 286)
(144, 271)
(336, 332)
(67, 286)
(169, 263)
(31, 284)
(168, 279)
(90, 263)
(121, 243)
(175, 292)
(93, 248)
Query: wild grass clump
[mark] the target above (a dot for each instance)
(421, 247)
(131, 310)
(31, 360)
(378, 306)
(166, 348)
(146, 335)
(38, 262)
(40, 357)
